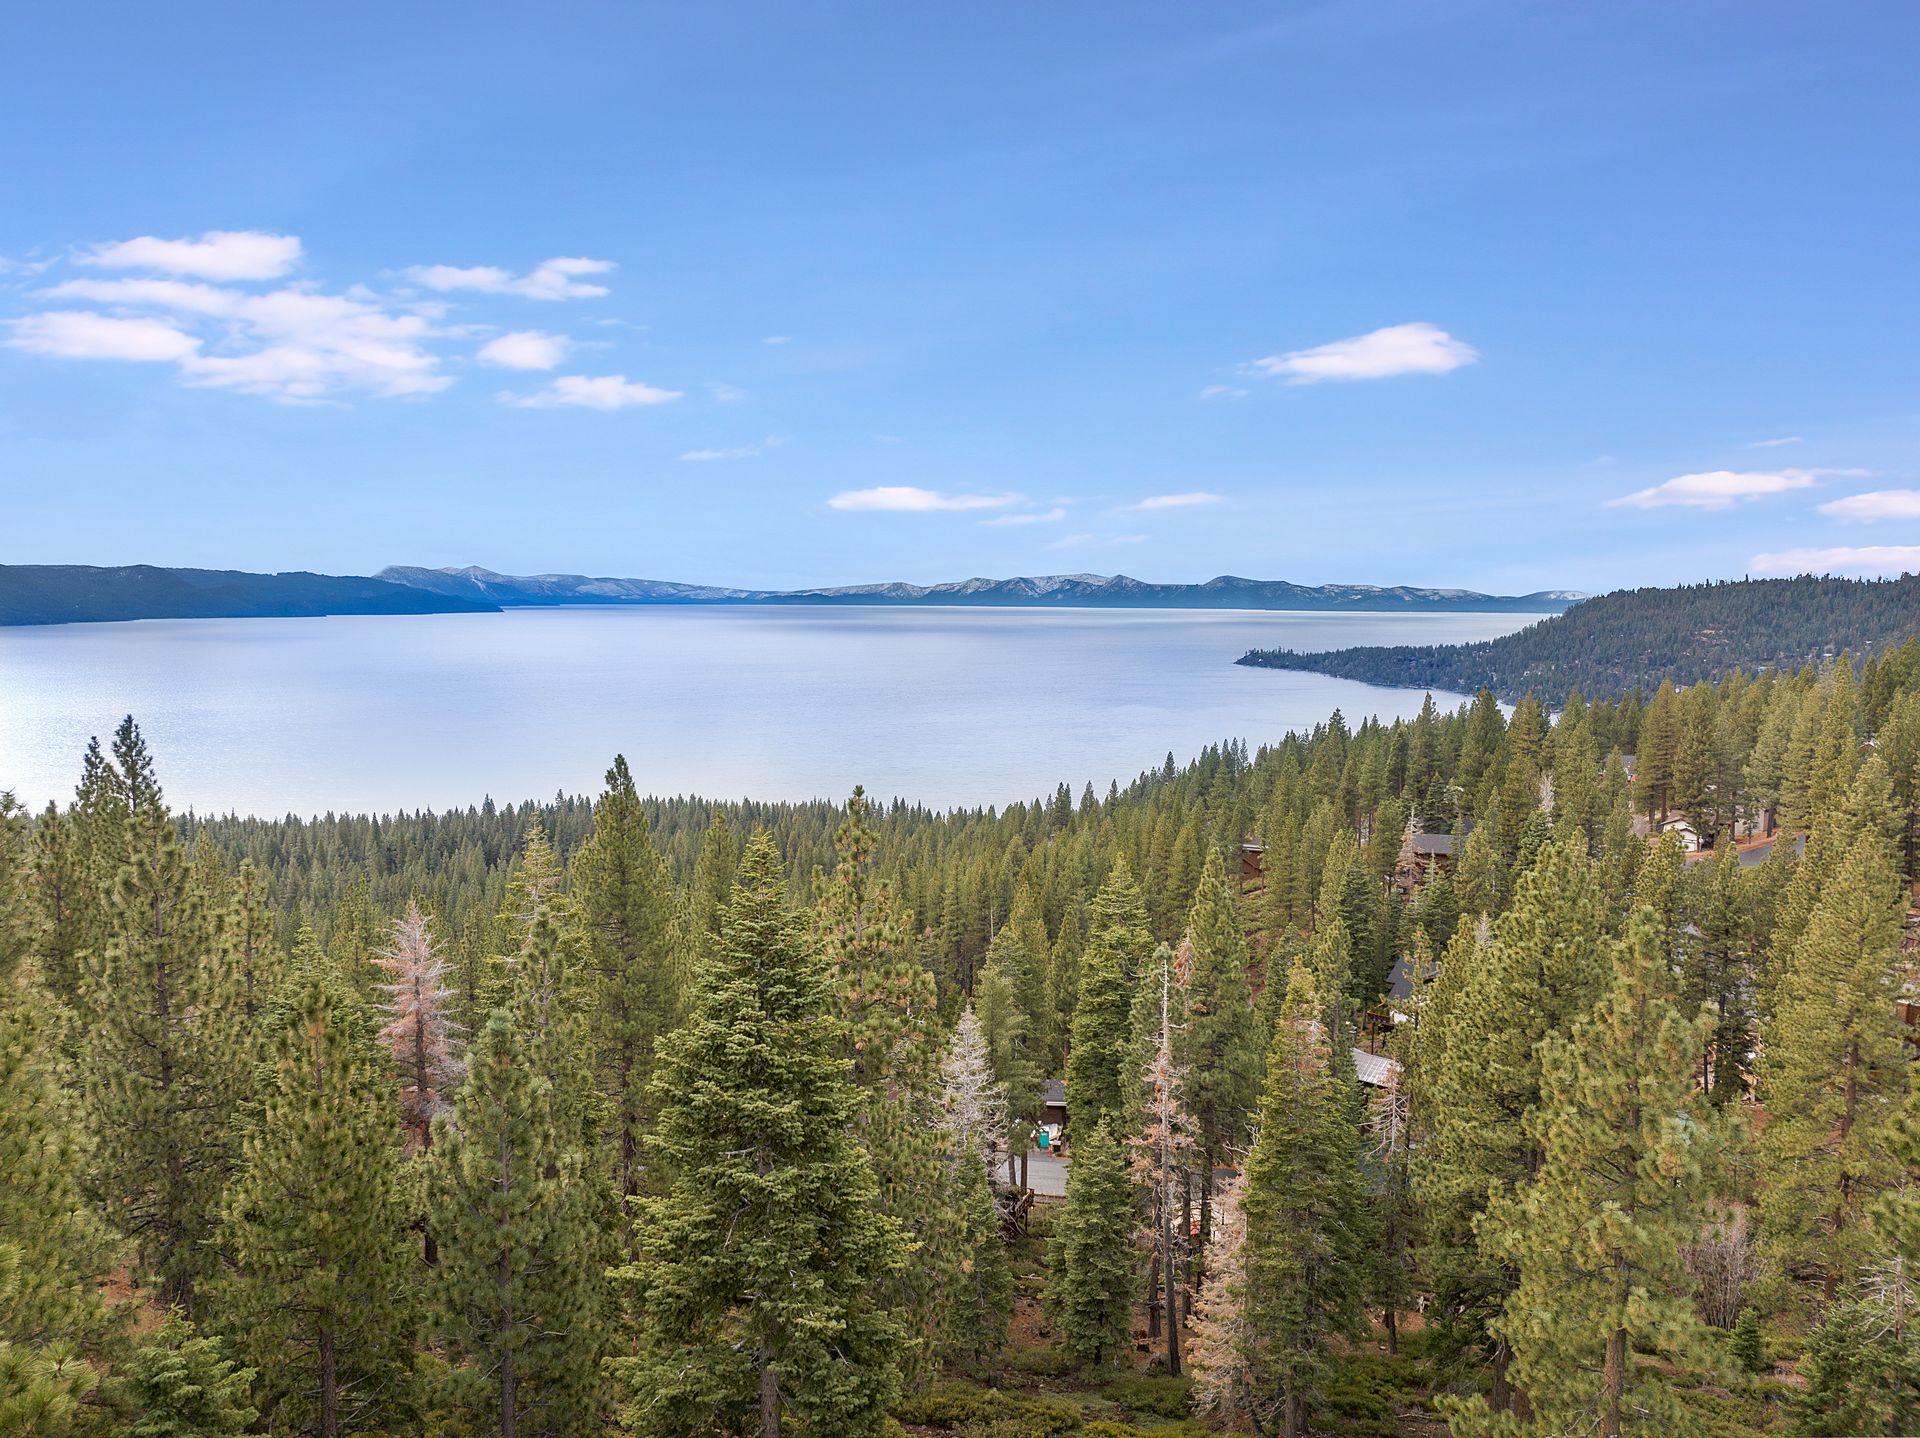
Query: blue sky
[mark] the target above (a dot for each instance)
(1505, 295)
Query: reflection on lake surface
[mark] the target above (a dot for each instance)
(940, 706)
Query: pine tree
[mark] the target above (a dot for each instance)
(163, 1063)
(752, 1293)
(1218, 1043)
(1862, 1376)
(1092, 1275)
(179, 1384)
(1118, 946)
(973, 1101)
(978, 1303)
(319, 1299)
(1543, 964)
(52, 1249)
(1163, 1152)
(1832, 1074)
(1305, 1254)
(419, 1029)
(1627, 1170)
(1220, 1353)
(626, 903)
(515, 1307)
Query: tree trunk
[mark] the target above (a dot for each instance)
(1613, 1383)
(509, 1398)
(1501, 1398)
(769, 1393)
(329, 1387)
(1173, 1310)
(1393, 1329)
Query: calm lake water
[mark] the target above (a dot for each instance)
(942, 706)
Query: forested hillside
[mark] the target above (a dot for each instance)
(672, 1118)
(1635, 638)
(85, 593)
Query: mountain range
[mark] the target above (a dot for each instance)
(1064, 590)
(79, 593)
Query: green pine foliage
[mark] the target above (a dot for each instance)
(515, 1309)
(1090, 1259)
(1119, 944)
(319, 1297)
(1304, 1256)
(752, 1292)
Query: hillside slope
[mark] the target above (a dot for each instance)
(1634, 638)
(84, 593)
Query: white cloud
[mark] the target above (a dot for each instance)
(1775, 443)
(216, 255)
(561, 278)
(1223, 391)
(296, 343)
(743, 451)
(1379, 354)
(525, 349)
(904, 498)
(604, 392)
(82, 334)
(1045, 516)
(1875, 505)
(1722, 488)
(1078, 541)
(1870, 559)
(1176, 501)
(777, 340)
(726, 393)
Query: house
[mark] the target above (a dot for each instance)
(1253, 863)
(1053, 1102)
(1683, 830)
(1421, 856)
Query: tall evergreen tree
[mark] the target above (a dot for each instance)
(1305, 1248)
(1628, 1160)
(1090, 1262)
(163, 1061)
(626, 902)
(419, 1030)
(1218, 1043)
(752, 1293)
(1832, 1075)
(320, 1296)
(1119, 943)
(514, 1305)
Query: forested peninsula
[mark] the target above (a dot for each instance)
(1636, 638)
(658, 1117)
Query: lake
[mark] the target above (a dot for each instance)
(941, 706)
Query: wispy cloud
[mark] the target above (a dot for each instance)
(1175, 501)
(561, 278)
(1784, 439)
(1868, 559)
(602, 392)
(743, 451)
(217, 255)
(525, 349)
(1724, 488)
(1081, 541)
(777, 340)
(1875, 505)
(81, 334)
(1223, 391)
(906, 499)
(725, 393)
(1044, 516)
(1418, 348)
(297, 343)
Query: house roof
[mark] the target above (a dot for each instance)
(1400, 980)
(1375, 1070)
(1432, 843)
(1053, 1093)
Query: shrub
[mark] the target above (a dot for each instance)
(1749, 1351)
(1161, 1397)
(961, 1406)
